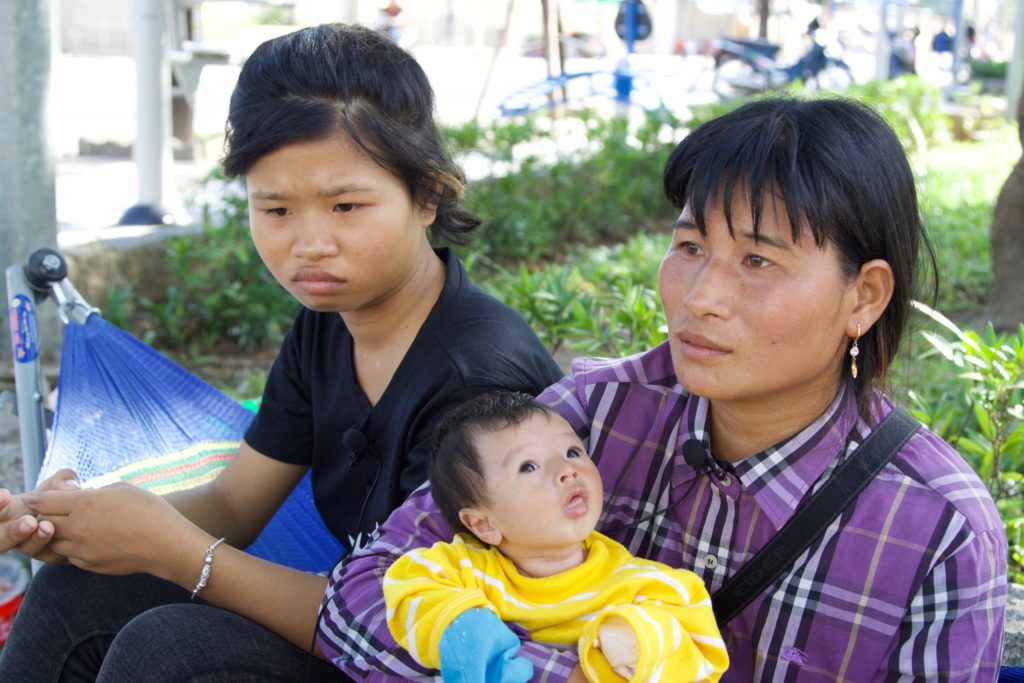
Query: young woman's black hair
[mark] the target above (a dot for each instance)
(365, 87)
(841, 174)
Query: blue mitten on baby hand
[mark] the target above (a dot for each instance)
(477, 647)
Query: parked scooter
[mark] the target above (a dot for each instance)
(744, 67)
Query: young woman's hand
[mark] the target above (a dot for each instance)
(20, 529)
(118, 529)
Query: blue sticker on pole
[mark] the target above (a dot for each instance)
(24, 338)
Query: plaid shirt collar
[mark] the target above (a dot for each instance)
(780, 476)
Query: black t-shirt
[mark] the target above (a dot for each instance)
(470, 343)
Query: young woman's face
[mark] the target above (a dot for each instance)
(337, 230)
(755, 320)
(543, 490)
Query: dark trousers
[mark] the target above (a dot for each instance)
(75, 625)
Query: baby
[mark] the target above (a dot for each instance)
(516, 481)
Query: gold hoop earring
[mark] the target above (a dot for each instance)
(854, 352)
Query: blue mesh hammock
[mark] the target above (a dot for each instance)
(125, 411)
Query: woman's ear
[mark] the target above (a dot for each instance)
(428, 210)
(872, 292)
(427, 214)
(477, 522)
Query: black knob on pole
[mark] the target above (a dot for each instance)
(44, 267)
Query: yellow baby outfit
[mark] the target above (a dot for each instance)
(669, 609)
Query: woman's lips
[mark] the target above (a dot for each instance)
(317, 281)
(698, 347)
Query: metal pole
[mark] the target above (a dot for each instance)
(28, 378)
(498, 46)
(554, 40)
(883, 47)
(152, 151)
(630, 26)
(623, 76)
(958, 40)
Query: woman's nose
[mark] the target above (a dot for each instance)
(314, 240)
(707, 292)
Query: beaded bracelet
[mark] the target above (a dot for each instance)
(204, 575)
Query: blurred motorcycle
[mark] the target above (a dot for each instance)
(745, 67)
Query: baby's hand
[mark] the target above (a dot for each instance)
(618, 644)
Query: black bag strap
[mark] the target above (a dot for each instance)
(811, 520)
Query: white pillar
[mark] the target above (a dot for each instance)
(152, 151)
(665, 18)
(1015, 74)
(554, 39)
(883, 47)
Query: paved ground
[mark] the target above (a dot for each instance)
(10, 452)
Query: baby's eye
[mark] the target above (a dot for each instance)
(527, 467)
(574, 452)
(345, 207)
(277, 212)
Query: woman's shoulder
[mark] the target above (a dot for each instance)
(649, 368)
(938, 477)
(482, 341)
(636, 390)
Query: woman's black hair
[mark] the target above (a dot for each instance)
(334, 78)
(454, 469)
(841, 172)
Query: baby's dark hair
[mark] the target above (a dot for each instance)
(334, 78)
(456, 477)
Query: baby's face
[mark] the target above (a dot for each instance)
(543, 490)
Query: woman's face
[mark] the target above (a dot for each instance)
(755, 321)
(337, 230)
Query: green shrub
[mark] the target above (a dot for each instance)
(987, 68)
(980, 413)
(603, 191)
(222, 293)
(603, 303)
(957, 188)
(914, 109)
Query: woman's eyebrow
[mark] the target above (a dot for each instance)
(333, 191)
(269, 195)
(684, 224)
(769, 240)
(341, 189)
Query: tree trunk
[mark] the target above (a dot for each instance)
(1006, 301)
(28, 220)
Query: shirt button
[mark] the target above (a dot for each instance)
(710, 561)
(725, 480)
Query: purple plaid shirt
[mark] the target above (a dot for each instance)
(909, 583)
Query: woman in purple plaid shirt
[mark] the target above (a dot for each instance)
(787, 288)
